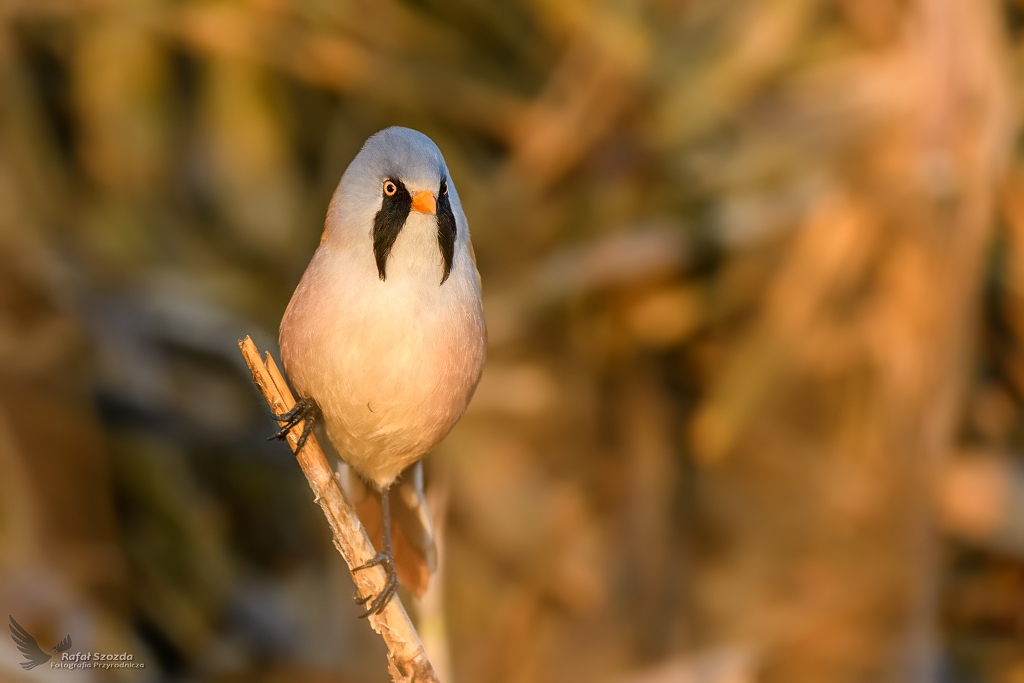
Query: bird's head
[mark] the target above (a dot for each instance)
(397, 205)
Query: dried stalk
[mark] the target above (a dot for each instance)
(407, 661)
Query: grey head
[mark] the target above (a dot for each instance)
(398, 176)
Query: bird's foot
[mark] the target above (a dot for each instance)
(390, 587)
(306, 409)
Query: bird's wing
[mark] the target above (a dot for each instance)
(28, 646)
(476, 270)
(64, 645)
(479, 285)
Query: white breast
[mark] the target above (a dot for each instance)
(392, 364)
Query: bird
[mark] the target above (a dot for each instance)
(384, 338)
(34, 655)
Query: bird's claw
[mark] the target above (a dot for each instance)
(305, 409)
(382, 600)
(390, 587)
(378, 560)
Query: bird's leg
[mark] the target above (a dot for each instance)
(386, 559)
(305, 409)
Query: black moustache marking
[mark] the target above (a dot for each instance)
(445, 229)
(388, 222)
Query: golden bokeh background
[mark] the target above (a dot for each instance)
(754, 278)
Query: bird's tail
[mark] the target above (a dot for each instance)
(412, 528)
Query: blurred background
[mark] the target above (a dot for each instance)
(754, 278)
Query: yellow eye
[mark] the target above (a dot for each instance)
(390, 188)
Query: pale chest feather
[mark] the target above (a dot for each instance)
(392, 364)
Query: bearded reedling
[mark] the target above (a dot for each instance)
(384, 338)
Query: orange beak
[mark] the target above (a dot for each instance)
(424, 202)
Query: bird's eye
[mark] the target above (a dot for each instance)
(444, 187)
(390, 188)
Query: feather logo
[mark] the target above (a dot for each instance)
(34, 655)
